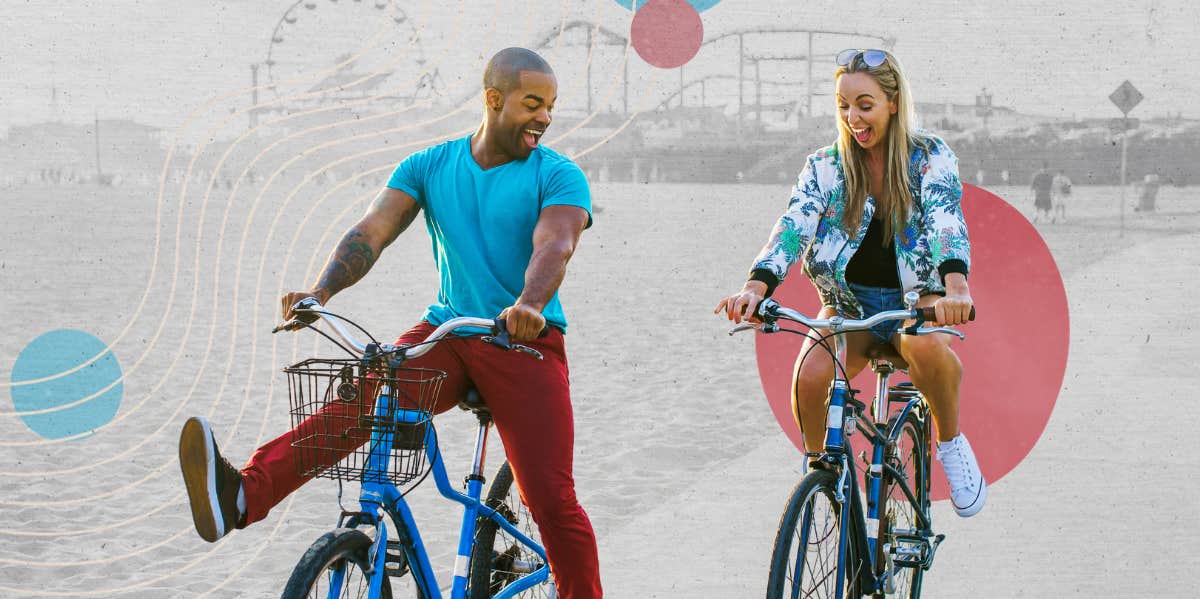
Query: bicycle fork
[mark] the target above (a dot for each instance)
(378, 496)
(836, 454)
(375, 494)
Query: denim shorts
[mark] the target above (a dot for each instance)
(879, 299)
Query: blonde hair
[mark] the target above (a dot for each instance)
(895, 201)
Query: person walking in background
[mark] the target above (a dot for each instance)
(1061, 193)
(1043, 183)
(873, 216)
(1147, 193)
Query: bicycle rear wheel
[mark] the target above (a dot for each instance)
(899, 516)
(343, 550)
(805, 560)
(498, 559)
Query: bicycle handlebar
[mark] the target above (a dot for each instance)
(770, 310)
(309, 309)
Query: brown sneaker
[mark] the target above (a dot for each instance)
(212, 483)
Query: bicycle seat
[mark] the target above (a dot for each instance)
(887, 352)
(473, 402)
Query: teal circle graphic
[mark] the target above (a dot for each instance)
(51, 354)
(699, 5)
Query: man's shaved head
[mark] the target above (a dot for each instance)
(519, 90)
(503, 71)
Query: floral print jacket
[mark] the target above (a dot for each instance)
(935, 232)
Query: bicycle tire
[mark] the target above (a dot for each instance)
(346, 546)
(913, 456)
(816, 488)
(495, 551)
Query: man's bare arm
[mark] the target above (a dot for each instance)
(554, 240)
(389, 215)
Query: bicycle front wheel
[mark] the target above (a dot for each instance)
(805, 562)
(899, 515)
(341, 552)
(498, 559)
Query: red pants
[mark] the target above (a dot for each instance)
(530, 402)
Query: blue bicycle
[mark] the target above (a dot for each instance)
(828, 545)
(369, 419)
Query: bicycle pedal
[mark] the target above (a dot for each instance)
(914, 550)
(933, 547)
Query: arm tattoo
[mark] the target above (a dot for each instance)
(350, 261)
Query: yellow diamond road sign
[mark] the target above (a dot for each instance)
(1126, 97)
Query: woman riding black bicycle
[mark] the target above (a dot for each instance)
(874, 215)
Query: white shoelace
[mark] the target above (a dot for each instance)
(955, 463)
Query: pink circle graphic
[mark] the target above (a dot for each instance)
(1014, 357)
(666, 33)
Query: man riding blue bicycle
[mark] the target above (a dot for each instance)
(505, 215)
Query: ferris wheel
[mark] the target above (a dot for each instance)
(354, 46)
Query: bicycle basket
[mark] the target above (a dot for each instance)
(338, 416)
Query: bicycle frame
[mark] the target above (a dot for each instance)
(842, 414)
(377, 497)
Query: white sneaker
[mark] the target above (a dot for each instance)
(968, 490)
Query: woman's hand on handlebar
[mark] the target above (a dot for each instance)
(955, 307)
(741, 305)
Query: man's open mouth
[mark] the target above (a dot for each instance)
(532, 137)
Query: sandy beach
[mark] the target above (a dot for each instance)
(679, 460)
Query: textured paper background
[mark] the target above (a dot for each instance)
(178, 263)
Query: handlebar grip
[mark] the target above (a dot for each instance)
(502, 328)
(765, 303)
(930, 315)
(307, 303)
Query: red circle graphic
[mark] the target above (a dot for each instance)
(667, 33)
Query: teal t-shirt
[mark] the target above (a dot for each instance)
(481, 222)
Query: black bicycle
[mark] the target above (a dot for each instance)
(828, 544)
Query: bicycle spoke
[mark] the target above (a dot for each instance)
(348, 582)
(813, 567)
(901, 514)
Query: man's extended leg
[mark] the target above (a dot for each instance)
(530, 402)
(271, 474)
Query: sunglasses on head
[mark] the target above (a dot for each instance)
(872, 58)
